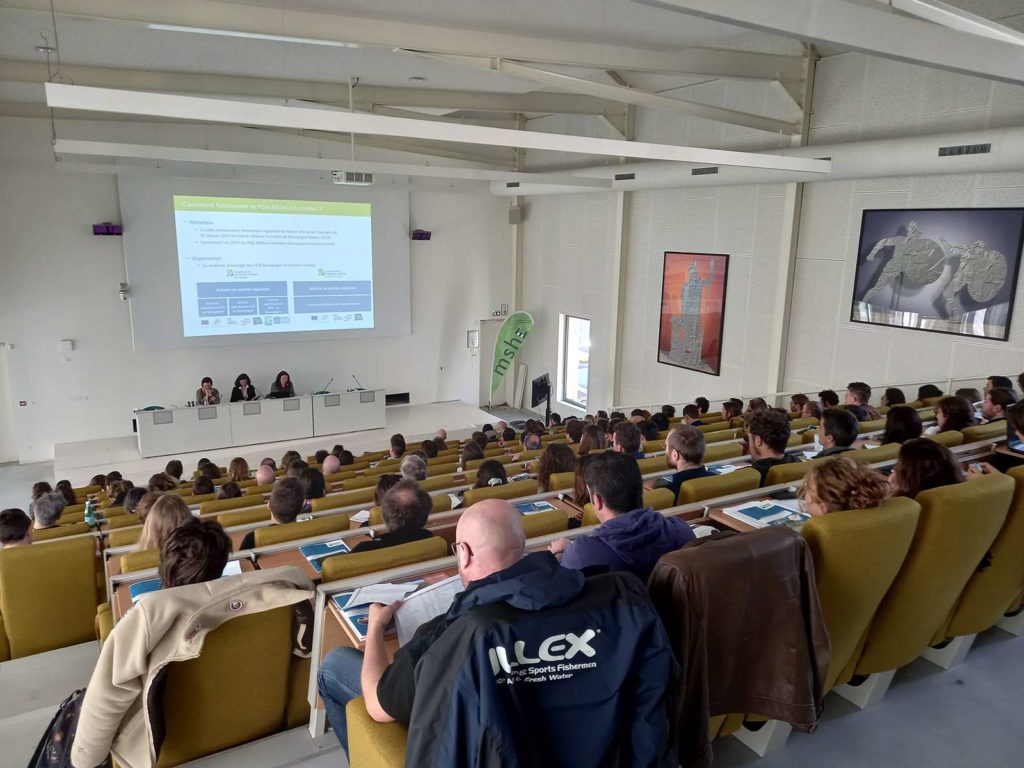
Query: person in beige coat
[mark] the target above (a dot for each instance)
(162, 628)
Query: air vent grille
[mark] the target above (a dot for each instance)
(709, 171)
(625, 176)
(965, 149)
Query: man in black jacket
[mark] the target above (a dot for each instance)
(524, 656)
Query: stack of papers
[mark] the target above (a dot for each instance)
(765, 513)
(355, 606)
(533, 507)
(420, 603)
(316, 553)
(362, 516)
(724, 469)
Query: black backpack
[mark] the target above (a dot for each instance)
(54, 750)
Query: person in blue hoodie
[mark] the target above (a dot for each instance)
(524, 655)
(631, 537)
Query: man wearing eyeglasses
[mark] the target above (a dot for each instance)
(527, 652)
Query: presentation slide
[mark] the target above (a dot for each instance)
(250, 265)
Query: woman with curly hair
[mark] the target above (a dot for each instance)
(923, 464)
(842, 483)
(557, 457)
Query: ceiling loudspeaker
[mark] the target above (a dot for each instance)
(515, 214)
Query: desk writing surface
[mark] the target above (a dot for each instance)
(297, 559)
(123, 599)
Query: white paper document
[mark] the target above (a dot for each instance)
(379, 593)
(362, 516)
(423, 605)
(232, 568)
(760, 514)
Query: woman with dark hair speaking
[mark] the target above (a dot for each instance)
(243, 390)
(282, 386)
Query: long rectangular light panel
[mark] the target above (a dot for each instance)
(61, 96)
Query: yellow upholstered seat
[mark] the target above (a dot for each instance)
(47, 596)
(950, 438)
(659, 498)
(800, 423)
(957, 525)
(244, 516)
(235, 692)
(356, 483)
(543, 523)
(256, 490)
(874, 455)
(501, 458)
(653, 446)
(224, 505)
(787, 473)
(562, 481)
(346, 499)
(722, 436)
(507, 491)
(122, 521)
(140, 560)
(67, 518)
(447, 468)
(124, 536)
(930, 400)
(723, 451)
(704, 488)
(275, 534)
(527, 455)
(984, 432)
(993, 588)
(857, 554)
(440, 503)
(357, 563)
(60, 532)
(871, 426)
(372, 744)
(438, 483)
(717, 426)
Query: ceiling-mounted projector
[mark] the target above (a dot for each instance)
(352, 178)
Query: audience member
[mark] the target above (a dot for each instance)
(837, 431)
(313, 484)
(336, 450)
(174, 470)
(296, 468)
(996, 403)
(841, 484)
(413, 468)
(731, 410)
(269, 462)
(117, 491)
(167, 513)
(574, 431)
(555, 420)
(691, 415)
(346, 458)
(901, 424)
(669, 411)
(331, 465)
(210, 470)
(828, 399)
(859, 394)
(285, 504)
(194, 552)
(480, 439)
(397, 446)
(145, 504)
(580, 492)
(767, 436)
(1015, 418)
(265, 475)
(999, 382)
(684, 452)
(508, 435)
(797, 403)
(631, 537)
(288, 458)
(490, 473)
(441, 435)
(385, 483)
(320, 455)
(702, 404)
(505, 592)
(202, 486)
(756, 404)
(648, 430)
(660, 420)
(557, 457)
(628, 440)
(471, 451)
(161, 483)
(64, 488)
(893, 396)
(15, 529)
(429, 447)
(952, 413)
(38, 489)
(405, 509)
(969, 394)
(592, 440)
(811, 410)
(532, 442)
(923, 464)
(238, 470)
(229, 489)
(926, 391)
(98, 480)
(132, 499)
(46, 511)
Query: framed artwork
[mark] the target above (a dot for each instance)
(693, 311)
(945, 270)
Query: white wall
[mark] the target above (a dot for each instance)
(862, 97)
(59, 281)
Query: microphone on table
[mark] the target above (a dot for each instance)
(359, 387)
(326, 389)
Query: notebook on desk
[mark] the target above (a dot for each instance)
(140, 588)
(316, 553)
(532, 507)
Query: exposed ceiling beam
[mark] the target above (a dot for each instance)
(875, 30)
(276, 23)
(962, 21)
(366, 97)
(625, 94)
(71, 147)
(61, 96)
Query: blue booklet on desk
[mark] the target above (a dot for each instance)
(315, 553)
(532, 507)
(140, 588)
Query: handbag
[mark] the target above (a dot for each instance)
(54, 749)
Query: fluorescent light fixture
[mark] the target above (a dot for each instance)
(250, 35)
(962, 21)
(108, 100)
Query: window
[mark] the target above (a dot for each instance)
(575, 360)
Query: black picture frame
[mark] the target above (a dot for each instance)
(999, 227)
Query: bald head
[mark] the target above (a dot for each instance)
(264, 475)
(492, 534)
(332, 465)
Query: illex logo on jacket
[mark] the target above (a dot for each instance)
(550, 662)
